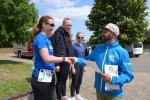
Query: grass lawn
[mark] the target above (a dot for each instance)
(14, 77)
(6, 50)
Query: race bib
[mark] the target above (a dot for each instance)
(45, 75)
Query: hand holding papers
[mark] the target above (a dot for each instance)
(106, 77)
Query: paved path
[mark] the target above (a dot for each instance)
(139, 89)
(11, 56)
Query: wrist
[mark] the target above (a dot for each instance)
(63, 59)
(75, 60)
(110, 79)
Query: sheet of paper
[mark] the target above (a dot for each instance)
(45, 76)
(113, 71)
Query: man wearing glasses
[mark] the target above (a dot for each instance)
(78, 51)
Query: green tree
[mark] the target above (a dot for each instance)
(16, 19)
(129, 15)
(147, 40)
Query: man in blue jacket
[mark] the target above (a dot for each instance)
(113, 63)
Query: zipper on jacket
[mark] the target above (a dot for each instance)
(103, 67)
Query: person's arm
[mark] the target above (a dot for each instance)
(90, 57)
(126, 71)
(40, 41)
(52, 59)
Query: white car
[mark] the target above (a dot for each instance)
(137, 48)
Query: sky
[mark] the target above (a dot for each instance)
(77, 10)
(148, 17)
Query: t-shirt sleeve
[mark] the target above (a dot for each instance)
(41, 42)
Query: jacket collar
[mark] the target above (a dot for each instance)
(114, 44)
(62, 30)
(78, 44)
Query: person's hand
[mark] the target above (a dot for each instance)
(106, 77)
(57, 68)
(73, 59)
(73, 70)
(76, 60)
(68, 60)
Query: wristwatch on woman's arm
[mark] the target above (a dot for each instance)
(63, 59)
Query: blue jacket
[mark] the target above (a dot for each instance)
(116, 55)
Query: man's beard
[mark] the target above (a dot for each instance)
(69, 32)
(107, 38)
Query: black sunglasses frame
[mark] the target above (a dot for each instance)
(80, 37)
(51, 25)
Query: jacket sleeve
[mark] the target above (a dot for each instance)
(126, 74)
(91, 56)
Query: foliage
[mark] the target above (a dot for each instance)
(147, 40)
(129, 15)
(16, 19)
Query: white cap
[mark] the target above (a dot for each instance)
(112, 27)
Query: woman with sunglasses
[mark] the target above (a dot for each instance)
(42, 81)
(78, 51)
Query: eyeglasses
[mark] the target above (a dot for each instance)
(105, 31)
(69, 25)
(51, 25)
(80, 37)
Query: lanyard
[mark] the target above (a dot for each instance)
(103, 66)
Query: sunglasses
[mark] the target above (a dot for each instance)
(51, 25)
(80, 37)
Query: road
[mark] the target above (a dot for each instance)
(138, 89)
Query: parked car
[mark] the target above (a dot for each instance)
(135, 49)
(23, 50)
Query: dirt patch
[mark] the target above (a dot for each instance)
(6, 50)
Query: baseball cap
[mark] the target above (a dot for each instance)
(112, 27)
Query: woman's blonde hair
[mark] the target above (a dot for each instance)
(79, 33)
